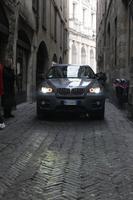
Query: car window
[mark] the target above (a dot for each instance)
(70, 71)
(85, 71)
(54, 73)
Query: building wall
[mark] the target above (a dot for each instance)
(8, 20)
(38, 32)
(130, 51)
(82, 32)
(114, 40)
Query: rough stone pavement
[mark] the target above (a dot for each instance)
(66, 159)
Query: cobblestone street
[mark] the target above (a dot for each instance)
(66, 159)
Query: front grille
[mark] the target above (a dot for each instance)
(69, 91)
(63, 91)
(77, 91)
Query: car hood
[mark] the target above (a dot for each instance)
(69, 82)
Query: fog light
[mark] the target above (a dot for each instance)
(98, 103)
(43, 102)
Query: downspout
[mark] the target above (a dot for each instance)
(130, 101)
(17, 6)
(129, 35)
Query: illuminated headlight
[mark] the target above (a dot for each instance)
(46, 90)
(95, 90)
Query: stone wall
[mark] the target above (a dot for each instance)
(9, 7)
(114, 40)
(27, 31)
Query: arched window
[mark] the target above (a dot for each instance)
(91, 57)
(74, 54)
(83, 56)
(108, 31)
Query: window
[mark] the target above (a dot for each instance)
(83, 56)
(52, 20)
(92, 20)
(35, 5)
(91, 57)
(125, 2)
(70, 72)
(65, 40)
(55, 24)
(108, 32)
(116, 41)
(84, 13)
(74, 54)
(61, 5)
(61, 34)
(44, 14)
(74, 10)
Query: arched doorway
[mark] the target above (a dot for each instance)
(23, 52)
(42, 63)
(4, 32)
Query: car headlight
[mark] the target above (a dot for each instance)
(46, 90)
(95, 90)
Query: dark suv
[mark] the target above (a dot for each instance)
(71, 88)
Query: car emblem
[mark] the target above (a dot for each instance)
(70, 88)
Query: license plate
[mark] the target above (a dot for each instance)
(70, 102)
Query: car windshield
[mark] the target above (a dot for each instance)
(70, 71)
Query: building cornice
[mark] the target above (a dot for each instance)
(81, 34)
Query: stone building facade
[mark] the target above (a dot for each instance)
(34, 33)
(115, 40)
(82, 32)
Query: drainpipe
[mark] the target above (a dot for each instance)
(130, 14)
(129, 57)
(17, 7)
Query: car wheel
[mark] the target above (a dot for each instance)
(40, 113)
(99, 114)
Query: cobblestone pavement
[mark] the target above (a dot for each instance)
(66, 159)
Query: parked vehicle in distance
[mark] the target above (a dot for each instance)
(122, 90)
(71, 88)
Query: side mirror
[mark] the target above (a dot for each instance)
(97, 75)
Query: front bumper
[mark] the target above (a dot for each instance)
(87, 103)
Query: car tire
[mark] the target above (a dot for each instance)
(99, 114)
(40, 113)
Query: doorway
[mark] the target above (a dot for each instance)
(42, 63)
(23, 53)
